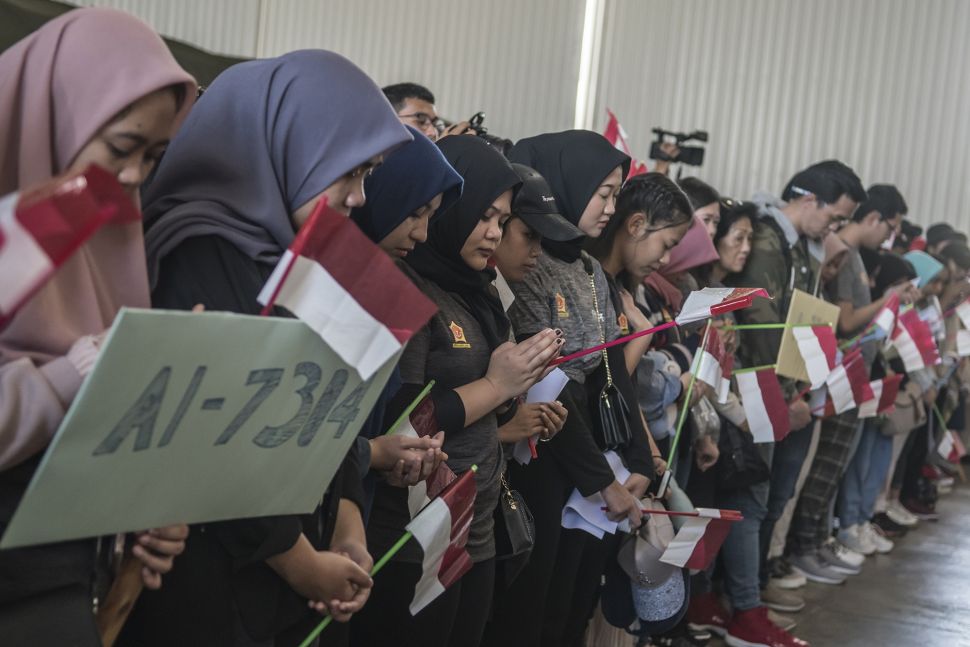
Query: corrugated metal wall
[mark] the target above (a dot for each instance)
(882, 84)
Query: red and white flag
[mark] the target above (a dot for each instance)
(885, 319)
(348, 290)
(963, 311)
(764, 405)
(712, 365)
(848, 383)
(615, 134)
(711, 302)
(883, 396)
(914, 341)
(947, 449)
(42, 227)
(696, 543)
(819, 349)
(963, 343)
(419, 423)
(442, 530)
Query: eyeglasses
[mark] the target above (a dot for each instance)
(423, 120)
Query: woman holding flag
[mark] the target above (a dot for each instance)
(585, 173)
(94, 86)
(267, 141)
(477, 373)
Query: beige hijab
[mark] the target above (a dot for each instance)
(58, 88)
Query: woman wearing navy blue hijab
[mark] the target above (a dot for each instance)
(403, 194)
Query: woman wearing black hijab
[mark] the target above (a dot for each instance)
(477, 372)
(559, 584)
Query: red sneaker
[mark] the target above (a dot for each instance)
(705, 612)
(752, 628)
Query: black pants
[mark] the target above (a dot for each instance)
(550, 601)
(518, 611)
(912, 465)
(60, 617)
(456, 618)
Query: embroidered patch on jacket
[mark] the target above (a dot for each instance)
(459, 335)
(624, 324)
(561, 306)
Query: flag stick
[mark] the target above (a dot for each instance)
(754, 369)
(683, 411)
(411, 407)
(939, 416)
(769, 326)
(296, 248)
(732, 515)
(615, 342)
(381, 563)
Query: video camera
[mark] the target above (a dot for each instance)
(690, 155)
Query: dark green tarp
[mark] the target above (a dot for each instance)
(20, 17)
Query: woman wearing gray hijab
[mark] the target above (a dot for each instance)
(264, 143)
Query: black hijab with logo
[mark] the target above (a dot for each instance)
(487, 175)
(575, 163)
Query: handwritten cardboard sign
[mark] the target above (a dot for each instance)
(196, 417)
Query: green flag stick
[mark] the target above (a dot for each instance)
(690, 390)
(754, 369)
(770, 326)
(381, 563)
(411, 407)
(939, 416)
(377, 567)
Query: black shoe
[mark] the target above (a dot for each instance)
(889, 528)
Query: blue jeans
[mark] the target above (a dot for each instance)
(785, 458)
(865, 476)
(741, 552)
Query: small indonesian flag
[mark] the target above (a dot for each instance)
(818, 348)
(442, 530)
(764, 405)
(420, 423)
(697, 542)
(883, 396)
(348, 290)
(42, 227)
(713, 365)
(963, 311)
(946, 449)
(885, 319)
(711, 302)
(963, 343)
(636, 168)
(615, 134)
(848, 382)
(914, 341)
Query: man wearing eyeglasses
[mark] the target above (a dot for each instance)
(784, 257)
(414, 105)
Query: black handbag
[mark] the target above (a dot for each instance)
(740, 464)
(515, 532)
(612, 407)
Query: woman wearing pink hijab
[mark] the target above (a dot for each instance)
(93, 86)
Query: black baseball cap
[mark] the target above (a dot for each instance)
(535, 205)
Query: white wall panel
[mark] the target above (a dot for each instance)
(222, 26)
(516, 60)
(883, 85)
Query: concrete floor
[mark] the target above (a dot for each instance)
(917, 595)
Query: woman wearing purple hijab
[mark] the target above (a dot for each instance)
(93, 86)
(264, 143)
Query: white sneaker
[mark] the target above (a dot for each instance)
(851, 540)
(898, 514)
(846, 554)
(883, 544)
